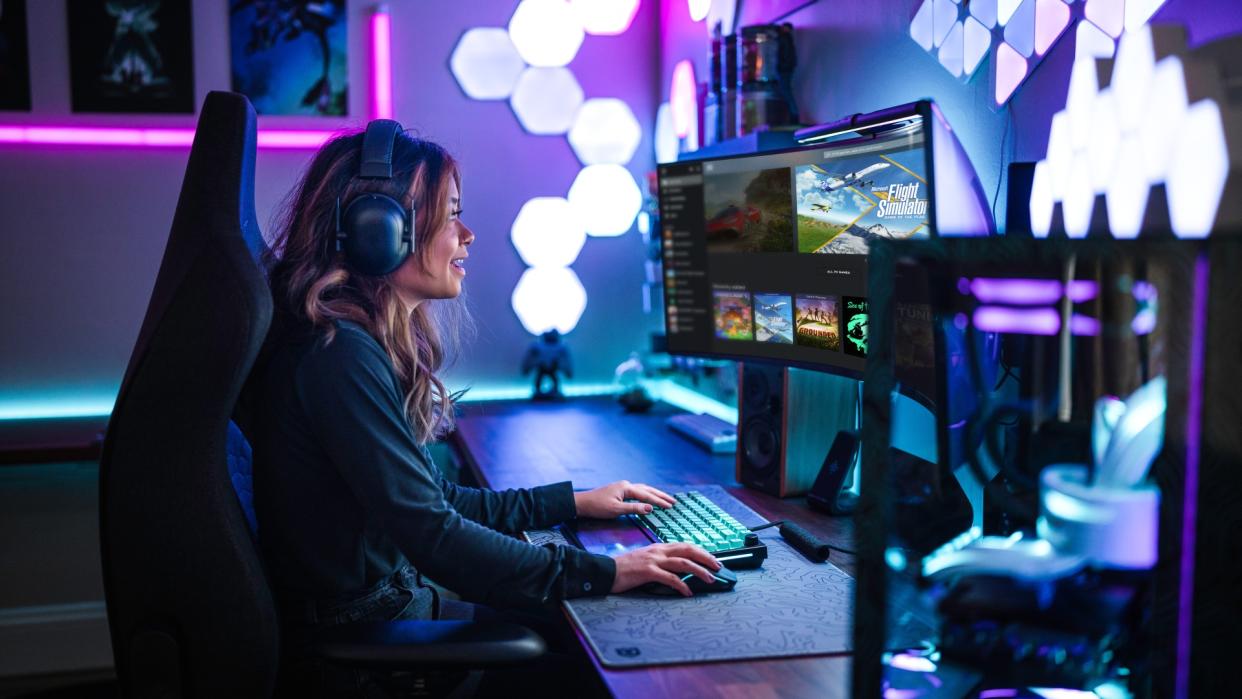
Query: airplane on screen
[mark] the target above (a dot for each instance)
(849, 179)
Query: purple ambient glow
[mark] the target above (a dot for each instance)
(381, 64)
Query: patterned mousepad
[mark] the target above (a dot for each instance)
(789, 607)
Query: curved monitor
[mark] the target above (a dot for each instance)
(765, 254)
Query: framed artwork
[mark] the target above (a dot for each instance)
(290, 56)
(14, 57)
(131, 56)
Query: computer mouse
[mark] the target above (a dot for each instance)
(725, 580)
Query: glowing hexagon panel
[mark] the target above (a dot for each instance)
(547, 33)
(547, 298)
(486, 64)
(605, 131)
(546, 100)
(605, 17)
(1022, 32)
(1129, 124)
(548, 233)
(606, 198)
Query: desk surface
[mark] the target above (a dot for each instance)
(591, 442)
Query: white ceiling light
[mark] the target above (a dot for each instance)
(546, 100)
(547, 33)
(605, 131)
(549, 297)
(548, 233)
(606, 199)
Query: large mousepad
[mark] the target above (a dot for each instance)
(789, 607)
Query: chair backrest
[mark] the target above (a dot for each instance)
(188, 605)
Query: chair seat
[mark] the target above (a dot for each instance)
(408, 644)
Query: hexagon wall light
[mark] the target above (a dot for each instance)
(605, 17)
(606, 199)
(605, 131)
(548, 233)
(526, 63)
(547, 33)
(547, 298)
(546, 100)
(959, 34)
(486, 64)
(1158, 114)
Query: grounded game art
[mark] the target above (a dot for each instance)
(733, 315)
(855, 326)
(748, 211)
(774, 318)
(846, 202)
(817, 322)
(131, 56)
(289, 56)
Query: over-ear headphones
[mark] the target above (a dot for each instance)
(375, 231)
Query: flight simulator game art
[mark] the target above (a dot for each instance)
(733, 315)
(748, 211)
(289, 56)
(846, 202)
(855, 326)
(774, 318)
(131, 56)
(14, 56)
(817, 322)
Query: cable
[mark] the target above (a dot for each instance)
(1000, 174)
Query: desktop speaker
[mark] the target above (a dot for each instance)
(788, 419)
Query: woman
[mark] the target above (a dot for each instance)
(352, 512)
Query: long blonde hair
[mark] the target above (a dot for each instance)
(312, 284)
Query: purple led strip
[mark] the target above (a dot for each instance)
(1026, 292)
(1190, 496)
(1031, 321)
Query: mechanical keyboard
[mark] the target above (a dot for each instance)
(697, 520)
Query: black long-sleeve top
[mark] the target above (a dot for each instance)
(345, 495)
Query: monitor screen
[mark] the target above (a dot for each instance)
(765, 255)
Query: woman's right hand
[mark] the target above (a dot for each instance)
(664, 564)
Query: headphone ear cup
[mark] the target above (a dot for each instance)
(376, 234)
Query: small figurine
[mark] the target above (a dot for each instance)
(548, 357)
(634, 397)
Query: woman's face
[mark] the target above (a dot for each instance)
(446, 259)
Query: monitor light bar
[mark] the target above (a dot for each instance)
(895, 118)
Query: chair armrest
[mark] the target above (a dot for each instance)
(408, 644)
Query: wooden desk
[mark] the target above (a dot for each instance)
(592, 442)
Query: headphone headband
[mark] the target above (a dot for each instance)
(377, 145)
(375, 231)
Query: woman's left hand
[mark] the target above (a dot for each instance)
(609, 501)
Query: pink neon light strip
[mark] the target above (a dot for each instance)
(147, 138)
(306, 139)
(381, 64)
